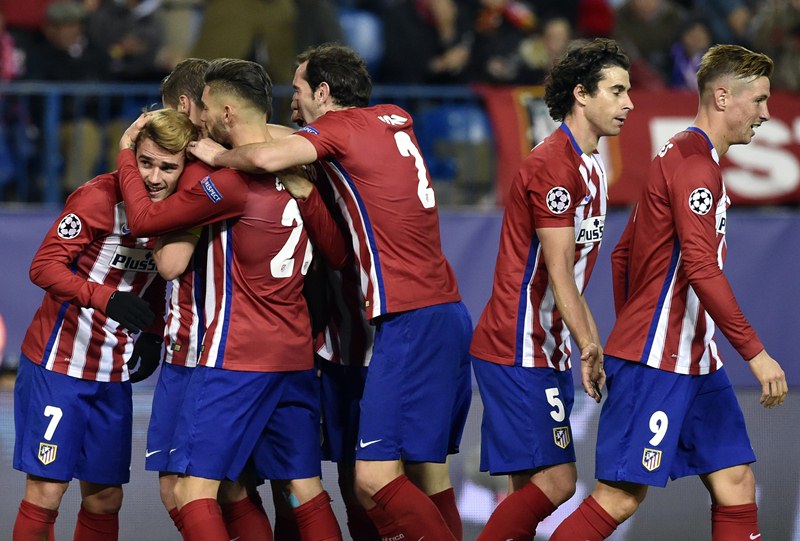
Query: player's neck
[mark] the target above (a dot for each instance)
(714, 134)
(245, 134)
(581, 131)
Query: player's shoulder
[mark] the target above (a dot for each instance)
(555, 155)
(101, 190)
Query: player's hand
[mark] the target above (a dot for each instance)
(145, 357)
(296, 182)
(593, 376)
(129, 310)
(772, 379)
(206, 150)
(128, 139)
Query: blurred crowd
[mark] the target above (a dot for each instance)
(404, 41)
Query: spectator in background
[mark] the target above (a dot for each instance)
(181, 20)
(692, 44)
(259, 30)
(646, 29)
(130, 33)
(775, 30)
(426, 41)
(66, 54)
(728, 19)
(501, 26)
(539, 53)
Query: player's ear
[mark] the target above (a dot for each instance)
(322, 92)
(580, 94)
(721, 97)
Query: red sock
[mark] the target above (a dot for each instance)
(96, 527)
(589, 521)
(734, 522)
(246, 521)
(445, 502)
(286, 528)
(404, 512)
(517, 516)
(174, 515)
(316, 521)
(34, 523)
(360, 526)
(201, 520)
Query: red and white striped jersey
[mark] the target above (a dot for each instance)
(258, 251)
(88, 254)
(385, 194)
(557, 186)
(669, 262)
(186, 325)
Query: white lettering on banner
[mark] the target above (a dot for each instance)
(764, 169)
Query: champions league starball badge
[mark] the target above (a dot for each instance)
(558, 200)
(700, 201)
(69, 227)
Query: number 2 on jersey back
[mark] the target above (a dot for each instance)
(282, 265)
(407, 149)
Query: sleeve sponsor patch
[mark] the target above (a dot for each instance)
(69, 227)
(701, 201)
(558, 200)
(211, 191)
(309, 129)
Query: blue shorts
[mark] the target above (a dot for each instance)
(525, 417)
(229, 416)
(69, 428)
(414, 400)
(167, 401)
(342, 388)
(657, 425)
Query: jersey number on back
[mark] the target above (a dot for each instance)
(407, 148)
(282, 265)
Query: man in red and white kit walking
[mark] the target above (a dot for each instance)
(671, 411)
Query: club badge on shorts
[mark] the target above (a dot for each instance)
(561, 436)
(651, 459)
(47, 453)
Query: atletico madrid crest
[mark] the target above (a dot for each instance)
(561, 436)
(47, 453)
(651, 459)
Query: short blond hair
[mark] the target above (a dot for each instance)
(169, 129)
(731, 61)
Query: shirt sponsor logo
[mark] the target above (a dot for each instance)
(591, 230)
(561, 436)
(69, 227)
(310, 129)
(651, 459)
(558, 200)
(47, 453)
(701, 201)
(211, 191)
(133, 259)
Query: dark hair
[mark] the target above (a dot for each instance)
(344, 71)
(244, 79)
(734, 61)
(581, 64)
(186, 79)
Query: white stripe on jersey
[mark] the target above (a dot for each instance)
(367, 273)
(213, 290)
(659, 340)
(527, 344)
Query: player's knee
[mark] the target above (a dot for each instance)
(104, 502)
(45, 494)
(166, 489)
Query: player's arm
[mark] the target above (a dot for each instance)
(174, 251)
(51, 268)
(558, 250)
(218, 196)
(697, 236)
(271, 156)
(619, 264)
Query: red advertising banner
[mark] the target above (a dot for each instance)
(767, 171)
